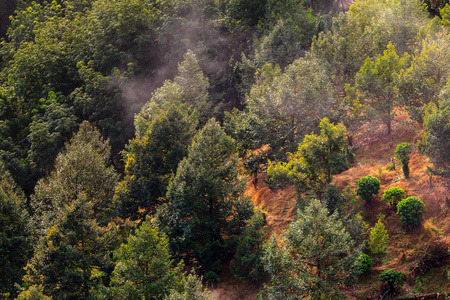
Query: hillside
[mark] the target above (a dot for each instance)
(406, 248)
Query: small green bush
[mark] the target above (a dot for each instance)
(364, 263)
(393, 278)
(402, 152)
(212, 277)
(393, 196)
(411, 211)
(367, 187)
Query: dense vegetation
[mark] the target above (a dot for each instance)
(128, 129)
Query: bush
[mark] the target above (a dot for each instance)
(411, 211)
(212, 277)
(393, 278)
(364, 263)
(368, 186)
(393, 196)
(402, 152)
(379, 238)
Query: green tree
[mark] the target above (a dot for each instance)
(317, 159)
(436, 141)
(402, 152)
(379, 238)
(247, 262)
(375, 83)
(73, 219)
(15, 243)
(367, 187)
(317, 256)
(411, 211)
(82, 169)
(429, 72)
(393, 196)
(205, 208)
(193, 289)
(34, 292)
(152, 159)
(364, 263)
(144, 268)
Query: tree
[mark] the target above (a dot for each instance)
(82, 170)
(205, 208)
(316, 258)
(192, 290)
(34, 292)
(15, 242)
(143, 267)
(283, 107)
(367, 187)
(436, 141)
(429, 72)
(393, 196)
(364, 263)
(152, 159)
(247, 262)
(411, 211)
(402, 152)
(379, 238)
(375, 83)
(317, 159)
(73, 219)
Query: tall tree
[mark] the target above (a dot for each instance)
(152, 160)
(144, 268)
(205, 208)
(73, 219)
(375, 84)
(429, 72)
(15, 244)
(315, 259)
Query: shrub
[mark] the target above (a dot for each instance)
(212, 277)
(368, 186)
(411, 211)
(402, 152)
(393, 196)
(393, 278)
(379, 238)
(364, 263)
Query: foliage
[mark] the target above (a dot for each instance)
(393, 278)
(317, 159)
(411, 211)
(393, 196)
(15, 242)
(247, 262)
(375, 83)
(367, 187)
(315, 257)
(282, 107)
(73, 219)
(34, 292)
(205, 208)
(364, 263)
(436, 142)
(402, 152)
(81, 171)
(429, 72)
(144, 268)
(192, 290)
(152, 159)
(379, 238)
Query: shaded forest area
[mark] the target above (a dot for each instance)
(158, 149)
